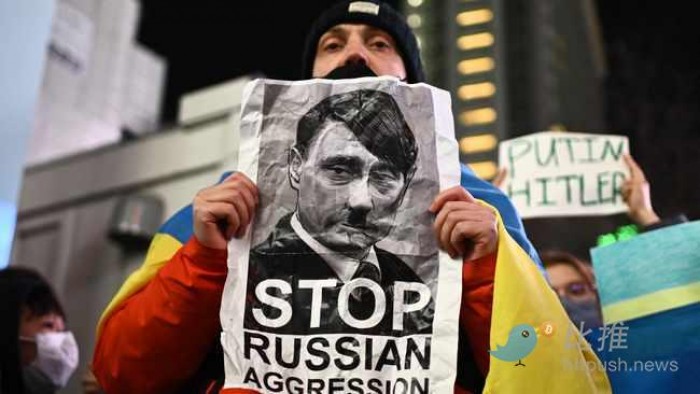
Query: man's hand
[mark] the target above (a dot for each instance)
(637, 196)
(463, 226)
(224, 211)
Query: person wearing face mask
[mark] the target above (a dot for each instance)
(573, 281)
(38, 354)
(572, 278)
(161, 331)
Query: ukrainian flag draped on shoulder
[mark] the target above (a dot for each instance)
(170, 238)
(556, 359)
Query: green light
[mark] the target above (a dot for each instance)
(622, 233)
(626, 232)
(606, 239)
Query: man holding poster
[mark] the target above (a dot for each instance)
(161, 331)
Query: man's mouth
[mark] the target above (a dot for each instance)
(357, 227)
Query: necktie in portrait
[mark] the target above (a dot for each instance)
(362, 302)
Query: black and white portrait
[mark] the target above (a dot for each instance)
(343, 242)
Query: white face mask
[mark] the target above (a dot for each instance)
(57, 355)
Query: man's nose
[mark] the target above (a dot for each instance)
(360, 197)
(355, 53)
(560, 292)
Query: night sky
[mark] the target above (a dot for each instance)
(208, 42)
(652, 88)
(653, 94)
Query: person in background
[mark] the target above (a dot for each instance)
(572, 278)
(573, 281)
(38, 354)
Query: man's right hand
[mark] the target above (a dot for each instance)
(224, 211)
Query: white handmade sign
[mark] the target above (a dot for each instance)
(339, 285)
(564, 174)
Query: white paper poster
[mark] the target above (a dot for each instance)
(339, 285)
(565, 174)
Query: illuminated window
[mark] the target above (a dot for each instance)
(473, 41)
(478, 143)
(475, 66)
(475, 17)
(477, 116)
(556, 127)
(414, 20)
(476, 91)
(484, 169)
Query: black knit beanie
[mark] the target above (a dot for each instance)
(373, 13)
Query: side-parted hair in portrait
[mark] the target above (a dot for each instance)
(375, 119)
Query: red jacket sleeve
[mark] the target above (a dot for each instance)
(159, 336)
(477, 300)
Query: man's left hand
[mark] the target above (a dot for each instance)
(462, 226)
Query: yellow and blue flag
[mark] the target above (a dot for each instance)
(170, 237)
(559, 359)
(649, 290)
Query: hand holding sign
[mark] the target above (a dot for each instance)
(232, 202)
(637, 196)
(463, 226)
